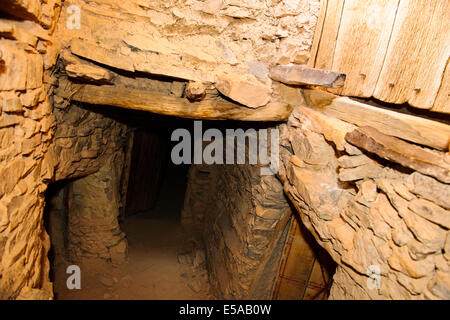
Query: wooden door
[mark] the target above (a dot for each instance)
(305, 269)
(396, 51)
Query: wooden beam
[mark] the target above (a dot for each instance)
(300, 75)
(426, 161)
(408, 127)
(168, 105)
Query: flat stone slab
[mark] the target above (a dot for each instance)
(295, 74)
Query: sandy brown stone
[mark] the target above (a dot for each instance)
(354, 161)
(87, 72)
(369, 190)
(252, 95)
(401, 261)
(431, 189)
(447, 247)
(333, 129)
(414, 286)
(402, 190)
(440, 285)
(10, 102)
(29, 10)
(301, 75)
(423, 160)
(431, 212)
(369, 170)
(105, 56)
(195, 91)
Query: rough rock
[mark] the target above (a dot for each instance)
(369, 170)
(10, 102)
(426, 161)
(195, 91)
(431, 212)
(369, 190)
(447, 247)
(92, 51)
(440, 285)
(375, 224)
(89, 73)
(401, 261)
(301, 75)
(252, 95)
(431, 189)
(259, 70)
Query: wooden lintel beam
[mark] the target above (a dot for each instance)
(424, 160)
(207, 109)
(408, 127)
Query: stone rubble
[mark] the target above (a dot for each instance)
(397, 219)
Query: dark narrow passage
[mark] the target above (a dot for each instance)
(156, 185)
(141, 204)
(156, 238)
(152, 199)
(169, 203)
(55, 221)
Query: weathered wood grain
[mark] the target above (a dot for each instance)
(318, 33)
(362, 43)
(426, 161)
(417, 54)
(408, 127)
(330, 30)
(442, 102)
(172, 106)
(395, 51)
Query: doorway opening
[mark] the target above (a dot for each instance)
(163, 260)
(145, 228)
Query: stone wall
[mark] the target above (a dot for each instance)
(43, 139)
(243, 216)
(93, 227)
(230, 43)
(228, 34)
(84, 139)
(91, 148)
(373, 216)
(28, 53)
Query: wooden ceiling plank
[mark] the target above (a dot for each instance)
(325, 52)
(417, 54)
(362, 44)
(318, 33)
(442, 102)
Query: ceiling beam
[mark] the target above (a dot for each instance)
(207, 109)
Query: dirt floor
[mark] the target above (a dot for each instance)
(164, 260)
(164, 263)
